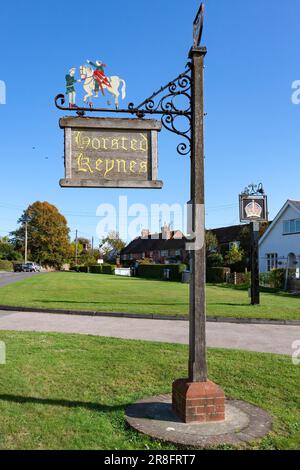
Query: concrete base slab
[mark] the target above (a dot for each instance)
(243, 423)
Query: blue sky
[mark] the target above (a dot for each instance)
(252, 127)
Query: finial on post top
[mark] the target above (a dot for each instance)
(198, 25)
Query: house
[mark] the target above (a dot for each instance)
(169, 246)
(229, 236)
(279, 247)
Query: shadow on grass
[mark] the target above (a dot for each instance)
(55, 301)
(63, 403)
(155, 411)
(231, 304)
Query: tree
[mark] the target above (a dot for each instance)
(7, 250)
(211, 242)
(214, 260)
(48, 234)
(234, 255)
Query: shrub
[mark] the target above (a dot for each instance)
(83, 269)
(156, 271)
(96, 269)
(6, 265)
(214, 260)
(264, 279)
(216, 275)
(277, 278)
(108, 269)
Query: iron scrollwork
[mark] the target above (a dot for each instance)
(254, 190)
(171, 111)
(165, 106)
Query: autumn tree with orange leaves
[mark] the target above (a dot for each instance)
(48, 235)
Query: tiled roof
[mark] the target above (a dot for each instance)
(228, 234)
(142, 245)
(296, 204)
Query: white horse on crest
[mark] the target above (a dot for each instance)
(87, 75)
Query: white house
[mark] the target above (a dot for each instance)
(279, 247)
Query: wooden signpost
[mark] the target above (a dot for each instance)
(110, 153)
(254, 209)
(123, 153)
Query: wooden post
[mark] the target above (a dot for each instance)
(255, 294)
(76, 248)
(188, 393)
(26, 242)
(197, 344)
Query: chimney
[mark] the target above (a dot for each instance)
(145, 233)
(166, 231)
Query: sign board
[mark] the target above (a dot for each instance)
(110, 153)
(253, 208)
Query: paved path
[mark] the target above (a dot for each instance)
(261, 338)
(8, 278)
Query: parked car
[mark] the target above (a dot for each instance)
(31, 267)
(18, 267)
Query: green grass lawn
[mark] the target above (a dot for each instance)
(132, 295)
(70, 391)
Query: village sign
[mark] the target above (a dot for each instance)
(120, 153)
(123, 153)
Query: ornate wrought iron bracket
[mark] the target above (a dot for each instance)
(254, 190)
(174, 104)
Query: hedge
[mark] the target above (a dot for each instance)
(216, 275)
(274, 279)
(97, 269)
(156, 271)
(108, 269)
(6, 265)
(102, 269)
(83, 269)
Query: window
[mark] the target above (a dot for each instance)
(291, 226)
(164, 253)
(272, 261)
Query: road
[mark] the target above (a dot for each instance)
(8, 278)
(260, 338)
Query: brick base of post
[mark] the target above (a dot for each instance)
(199, 402)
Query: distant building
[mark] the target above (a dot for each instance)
(229, 236)
(279, 247)
(169, 246)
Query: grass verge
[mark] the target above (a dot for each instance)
(104, 293)
(70, 391)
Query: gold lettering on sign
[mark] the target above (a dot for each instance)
(109, 168)
(96, 144)
(143, 167)
(123, 143)
(133, 145)
(78, 139)
(132, 166)
(144, 143)
(98, 164)
(120, 164)
(104, 143)
(115, 144)
(83, 164)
